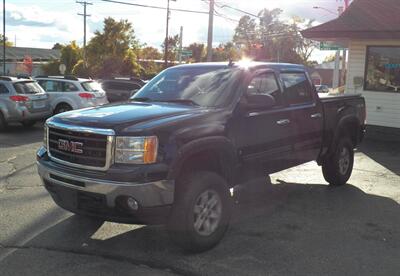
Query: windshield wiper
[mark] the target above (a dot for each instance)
(182, 101)
(141, 99)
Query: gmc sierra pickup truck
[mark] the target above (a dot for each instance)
(173, 152)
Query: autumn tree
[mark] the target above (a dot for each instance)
(112, 50)
(172, 47)
(8, 43)
(198, 51)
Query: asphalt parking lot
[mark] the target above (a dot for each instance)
(296, 225)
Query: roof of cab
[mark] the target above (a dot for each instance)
(242, 64)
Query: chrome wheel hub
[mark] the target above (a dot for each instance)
(344, 161)
(207, 212)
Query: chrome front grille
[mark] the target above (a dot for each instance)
(80, 147)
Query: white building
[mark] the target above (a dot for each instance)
(371, 31)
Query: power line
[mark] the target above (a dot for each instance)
(154, 7)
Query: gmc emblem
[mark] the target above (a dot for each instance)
(71, 146)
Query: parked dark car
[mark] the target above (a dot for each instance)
(121, 89)
(172, 153)
(322, 88)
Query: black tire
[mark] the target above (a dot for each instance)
(337, 168)
(3, 124)
(60, 108)
(28, 123)
(181, 225)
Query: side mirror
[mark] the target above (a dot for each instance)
(259, 101)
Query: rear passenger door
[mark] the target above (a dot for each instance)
(306, 115)
(54, 90)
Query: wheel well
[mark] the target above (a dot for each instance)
(62, 103)
(350, 128)
(208, 160)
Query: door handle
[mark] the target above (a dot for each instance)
(316, 116)
(283, 122)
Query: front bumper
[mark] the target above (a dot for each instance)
(101, 197)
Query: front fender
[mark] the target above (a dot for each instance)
(217, 144)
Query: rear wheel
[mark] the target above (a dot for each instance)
(201, 212)
(62, 108)
(337, 168)
(28, 123)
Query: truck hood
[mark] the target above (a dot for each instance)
(121, 116)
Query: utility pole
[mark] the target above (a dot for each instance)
(336, 75)
(4, 37)
(166, 42)
(210, 30)
(85, 15)
(180, 44)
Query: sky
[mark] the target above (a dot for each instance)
(42, 23)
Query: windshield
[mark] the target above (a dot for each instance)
(208, 87)
(91, 86)
(27, 87)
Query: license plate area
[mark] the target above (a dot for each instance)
(39, 104)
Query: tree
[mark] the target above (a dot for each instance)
(245, 32)
(70, 55)
(109, 51)
(226, 52)
(150, 53)
(198, 51)
(8, 43)
(172, 47)
(57, 46)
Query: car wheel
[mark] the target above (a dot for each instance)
(28, 123)
(201, 212)
(337, 168)
(3, 123)
(62, 108)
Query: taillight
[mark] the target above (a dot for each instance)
(86, 96)
(19, 98)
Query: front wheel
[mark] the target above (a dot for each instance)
(201, 212)
(337, 168)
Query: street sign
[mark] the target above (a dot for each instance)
(326, 46)
(187, 53)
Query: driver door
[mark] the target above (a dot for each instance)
(266, 134)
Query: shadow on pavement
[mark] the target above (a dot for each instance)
(385, 153)
(18, 135)
(284, 228)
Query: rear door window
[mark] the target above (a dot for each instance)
(3, 89)
(51, 86)
(27, 87)
(297, 88)
(70, 87)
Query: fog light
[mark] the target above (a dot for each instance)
(127, 204)
(132, 203)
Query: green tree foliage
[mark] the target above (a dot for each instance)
(225, 52)
(51, 68)
(147, 55)
(273, 39)
(70, 55)
(198, 51)
(173, 42)
(112, 51)
(8, 43)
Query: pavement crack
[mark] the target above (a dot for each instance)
(154, 264)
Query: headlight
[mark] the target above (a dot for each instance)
(45, 136)
(136, 150)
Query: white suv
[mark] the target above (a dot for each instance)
(69, 92)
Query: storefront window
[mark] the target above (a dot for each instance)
(383, 69)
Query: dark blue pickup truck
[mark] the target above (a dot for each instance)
(171, 154)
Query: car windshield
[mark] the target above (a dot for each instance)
(27, 87)
(209, 87)
(91, 86)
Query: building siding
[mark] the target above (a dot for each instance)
(383, 109)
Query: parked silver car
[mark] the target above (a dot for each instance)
(22, 100)
(69, 92)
